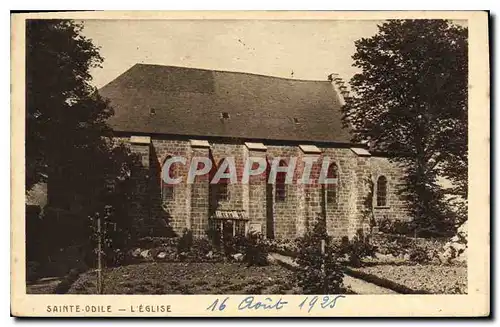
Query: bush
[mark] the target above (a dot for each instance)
(419, 255)
(255, 250)
(201, 249)
(253, 246)
(318, 273)
(233, 245)
(65, 284)
(418, 250)
(288, 247)
(185, 242)
(397, 227)
(63, 287)
(357, 249)
(395, 245)
(154, 242)
(115, 258)
(213, 236)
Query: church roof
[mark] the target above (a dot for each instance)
(198, 102)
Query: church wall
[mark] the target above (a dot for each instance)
(192, 205)
(396, 208)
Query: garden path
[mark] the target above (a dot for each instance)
(357, 285)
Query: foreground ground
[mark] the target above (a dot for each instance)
(235, 278)
(43, 286)
(189, 278)
(435, 279)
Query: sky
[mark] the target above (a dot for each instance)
(299, 49)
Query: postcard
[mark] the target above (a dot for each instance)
(250, 164)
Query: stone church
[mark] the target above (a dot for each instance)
(165, 111)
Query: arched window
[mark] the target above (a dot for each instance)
(381, 191)
(280, 195)
(167, 190)
(222, 191)
(331, 189)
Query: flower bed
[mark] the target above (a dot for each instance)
(397, 248)
(250, 248)
(200, 251)
(436, 279)
(288, 247)
(189, 278)
(398, 245)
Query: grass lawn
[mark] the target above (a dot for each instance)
(432, 278)
(189, 278)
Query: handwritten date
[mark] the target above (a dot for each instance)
(268, 303)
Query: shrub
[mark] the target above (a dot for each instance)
(115, 257)
(255, 250)
(318, 273)
(253, 246)
(418, 250)
(397, 227)
(213, 236)
(357, 249)
(286, 247)
(231, 245)
(395, 245)
(185, 242)
(153, 242)
(63, 287)
(419, 255)
(65, 284)
(201, 248)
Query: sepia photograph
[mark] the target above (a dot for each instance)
(316, 157)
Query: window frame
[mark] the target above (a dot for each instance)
(280, 191)
(221, 188)
(381, 199)
(169, 196)
(332, 189)
(222, 191)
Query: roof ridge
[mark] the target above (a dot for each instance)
(234, 72)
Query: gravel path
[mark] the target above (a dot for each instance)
(358, 286)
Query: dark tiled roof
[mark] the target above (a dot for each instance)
(188, 101)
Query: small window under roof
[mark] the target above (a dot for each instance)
(256, 146)
(224, 115)
(199, 143)
(307, 148)
(361, 152)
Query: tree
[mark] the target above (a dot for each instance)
(410, 101)
(58, 92)
(68, 142)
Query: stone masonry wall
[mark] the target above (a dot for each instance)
(287, 213)
(258, 196)
(191, 205)
(396, 207)
(343, 216)
(236, 195)
(200, 198)
(176, 212)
